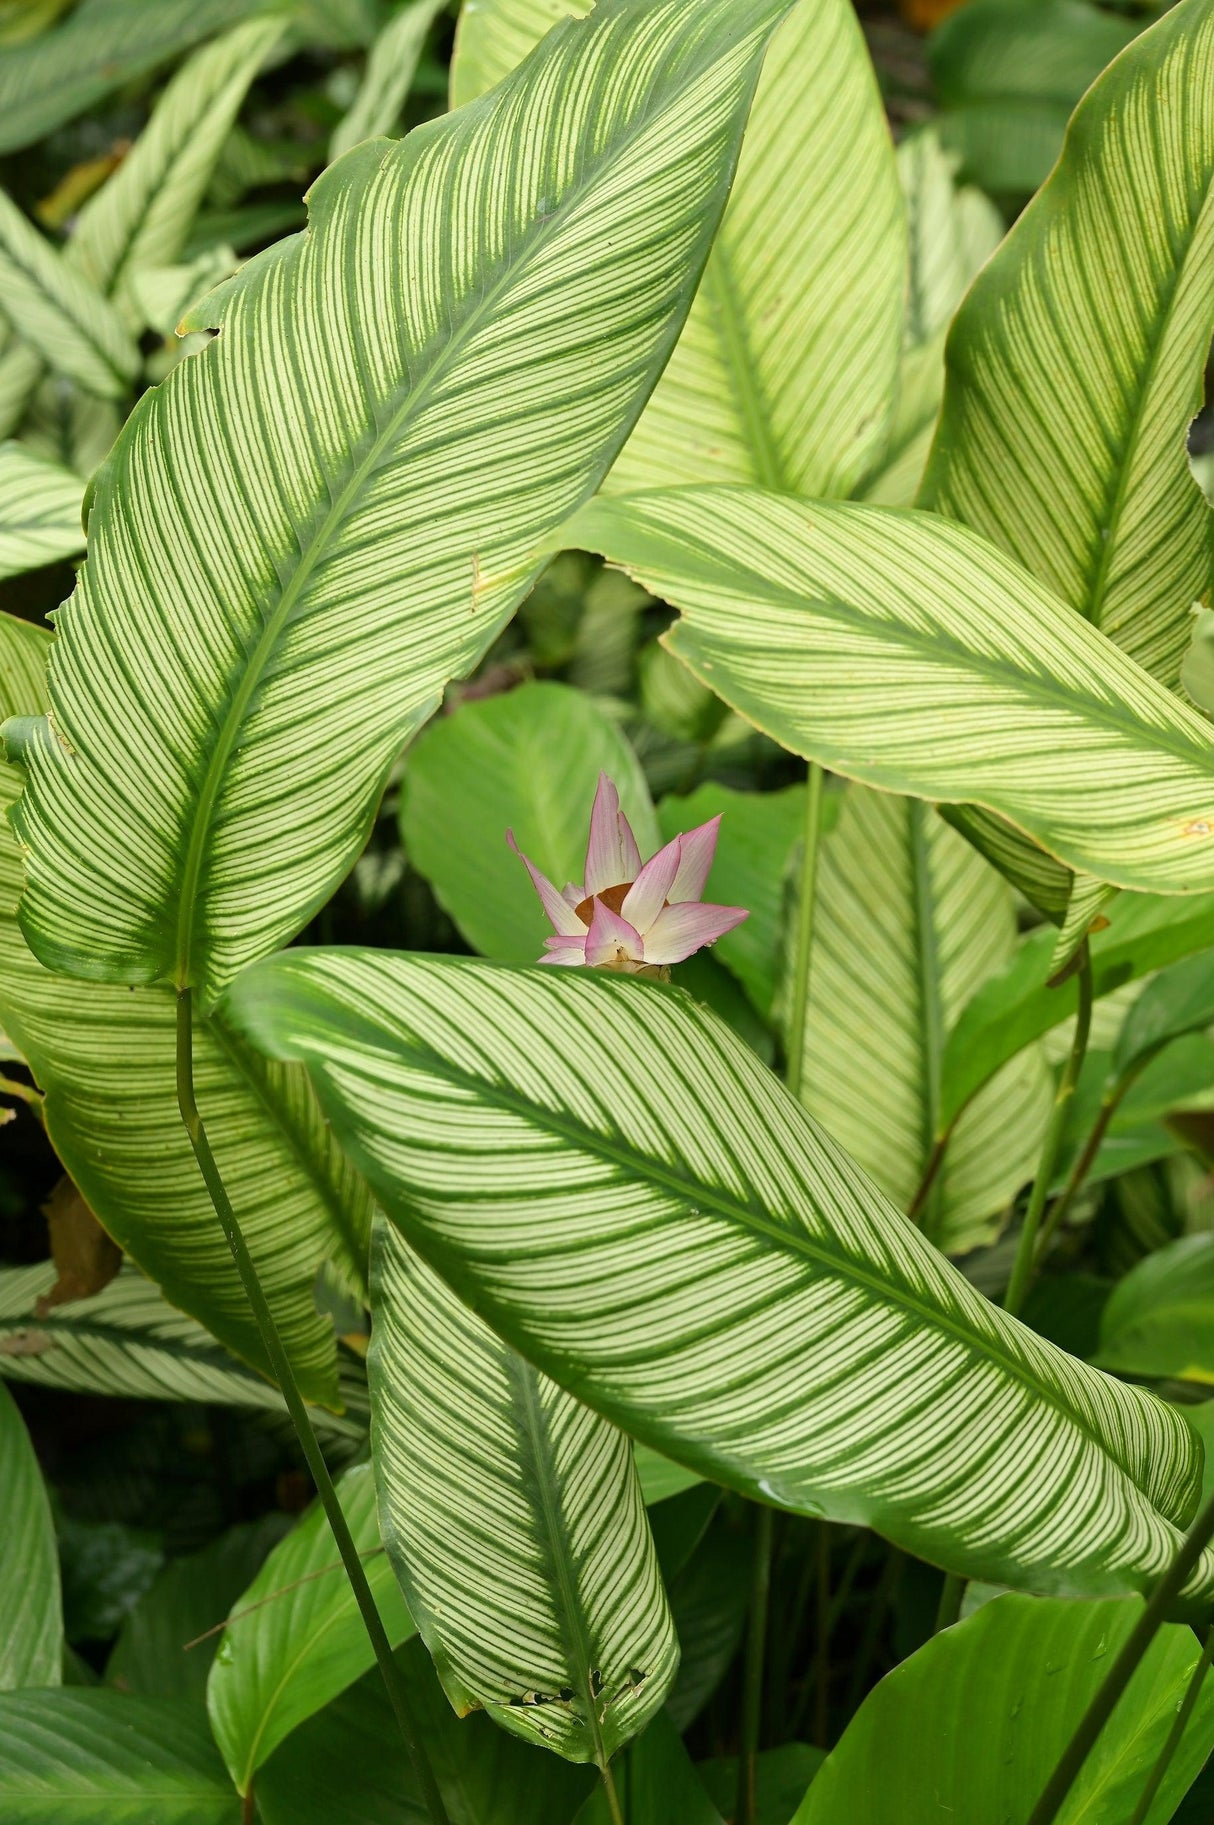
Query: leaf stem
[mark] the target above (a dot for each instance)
(746, 1810)
(806, 895)
(1163, 1760)
(1022, 1270)
(280, 1363)
(1123, 1668)
(1112, 1100)
(949, 1608)
(613, 1798)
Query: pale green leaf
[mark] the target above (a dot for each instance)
(106, 1058)
(909, 922)
(902, 651)
(758, 839)
(294, 1638)
(629, 1197)
(1017, 1005)
(660, 1476)
(353, 532)
(39, 511)
(104, 44)
(100, 1758)
(971, 1726)
(391, 64)
(1159, 1320)
(529, 761)
(514, 1519)
(493, 37)
(59, 313)
(1076, 362)
(31, 1641)
(163, 294)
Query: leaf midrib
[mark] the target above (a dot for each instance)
(414, 396)
(697, 1195)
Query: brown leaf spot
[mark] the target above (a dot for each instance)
(85, 1257)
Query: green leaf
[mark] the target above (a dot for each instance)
(129, 1342)
(900, 650)
(106, 1059)
(1007, 74)
(158, 1653)
(656, 1783)
(781, 1777)
(1178, 1000)
(100, 1758)
(1076, 362)
(529, 761)
(294, 1638)
(39, 511)
(1017, 1006)
(631, 1199)
(31, 1645)
(785, 374)
(755, 848)
(382, 515)
(909, 922)
(514, 1520)
(493, 37)
(104, 44)
(660, 1476)
(968, 1728)
(1178, 1079)
(1159, 1320)
(54, 308)
(485, 1776)
(391, 65)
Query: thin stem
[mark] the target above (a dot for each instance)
(613, 1798)
(746, 1810)
(1022, 1270)
(949, 1608)
(1123, 1668)
(12, 1086)
(1163, 1760)
(1109, 1105)
(935, 1160)
(806, 894)
(280, 1363)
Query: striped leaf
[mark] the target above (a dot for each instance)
(31, 1644)
(391, 65)
(902, 651)
(349, 533)
(39, 511)
(1076, 362)
(513, 1517)
(104, 44)
(630, 1198)
(909, 923)
(493, 37)
(529, 761)
(54, 308)
(130, 1343)
(295, 1639)
(785, 373)
(106, 1058)
(140, 217)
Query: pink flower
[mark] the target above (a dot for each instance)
(628, 917)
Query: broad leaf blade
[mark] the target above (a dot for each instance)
(626, 1194)
(900, 650)
(39, 511)
(908, 923)
(106, 1058)
(493, 37)
(31, 1642)
(352, 532)
(391, 64)
(514, 1519)
(1159, 1320)
(1076, 363)
(74, 329)
(295, 1639)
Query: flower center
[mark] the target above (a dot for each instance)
(612, 897)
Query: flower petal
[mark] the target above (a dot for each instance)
(569, 953)
(699, 846)
(651, 889)
(611, 939)
(612, 855)
(560, 913)
(679, 930)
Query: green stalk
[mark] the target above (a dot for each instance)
(613, 1798)
(746, 1810)
(1022, 1271)
(1109, 1105)
(948, 1609)
(806, 895)
(1163, 1760)
(1123, 1668)
(284, 1374)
